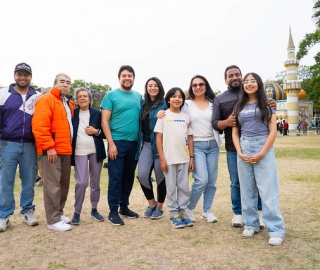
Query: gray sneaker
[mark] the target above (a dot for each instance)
(149, 211)
(29, 218)
(4, 224)
(158, 213)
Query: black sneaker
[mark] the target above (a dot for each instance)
(114, 219)
(96, 216)
(128, 213)
(75, 219)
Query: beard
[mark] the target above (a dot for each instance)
(125, 87)
(22, 85)
(235, 87)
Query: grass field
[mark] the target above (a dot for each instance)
(147, 244)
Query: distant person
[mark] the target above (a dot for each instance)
(285, 128)
(149, 158)
(281, 127)
(120, 123)
(52, 127)
(317, 126)
(223, 119)
(253, 137)
(17, 147)
(87, 147)
(175, 148)
(304, 128)
(298, 129)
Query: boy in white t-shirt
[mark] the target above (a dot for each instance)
(175, 147)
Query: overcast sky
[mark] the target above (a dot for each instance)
(170, 39)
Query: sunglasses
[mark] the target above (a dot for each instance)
(196, 84)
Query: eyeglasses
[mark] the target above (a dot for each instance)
(196, 84)
(251, 81)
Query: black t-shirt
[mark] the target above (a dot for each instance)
(146, 129)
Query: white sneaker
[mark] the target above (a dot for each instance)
(29, 218)
(262, 225)
(248, 232)
(275, 241)
(59, 226)
(209, 217)
(190, 215)
(65, 219)
(4, 224)
(237, 221)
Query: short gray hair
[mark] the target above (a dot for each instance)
(61, 74)
(77, 90)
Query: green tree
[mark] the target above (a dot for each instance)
(311, 39)
(35, 87)
(97, 90)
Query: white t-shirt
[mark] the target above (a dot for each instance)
(85, 143)
(175, 128)
(200, 122)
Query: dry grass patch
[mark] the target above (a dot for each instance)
(147, 244)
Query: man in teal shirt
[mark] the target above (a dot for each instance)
(120, 123)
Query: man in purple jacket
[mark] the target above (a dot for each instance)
(17, 146)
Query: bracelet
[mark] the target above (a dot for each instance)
(191, 156)
(99, 131)
(110, 141)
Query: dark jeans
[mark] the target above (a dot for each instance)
(121, 175)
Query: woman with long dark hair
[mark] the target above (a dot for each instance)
(148, 158)
(253, 137)
(206, 146)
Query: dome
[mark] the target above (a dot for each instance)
(302, 94)
(274, 91)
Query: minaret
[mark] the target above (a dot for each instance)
(292, 87)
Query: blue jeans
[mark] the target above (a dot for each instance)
(235, 185)
(206, 156)
(121, 175)
(261, 177)
(12, 155)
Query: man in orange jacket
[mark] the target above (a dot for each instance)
(52, 128)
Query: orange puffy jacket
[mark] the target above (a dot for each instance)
(50, 125)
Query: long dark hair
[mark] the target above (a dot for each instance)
(148, 103)
(261, 99)
(209, 94)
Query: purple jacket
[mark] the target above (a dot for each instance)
(16, 115)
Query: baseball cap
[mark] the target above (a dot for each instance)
(23, 66)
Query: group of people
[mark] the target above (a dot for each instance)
(167, 134)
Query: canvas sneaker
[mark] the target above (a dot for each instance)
(158, 213)
(184, 217)
(149, 211)
(275, 241)
(4, 224)
(60, 226)
(96, 215)
(29, 218)
(209, 217)
(75, 219)
(262, 225)
(114, 219)
(128, 213)
(190, 215)
(65, 219)
(248, 232)
(176, 222)
(237, 221)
